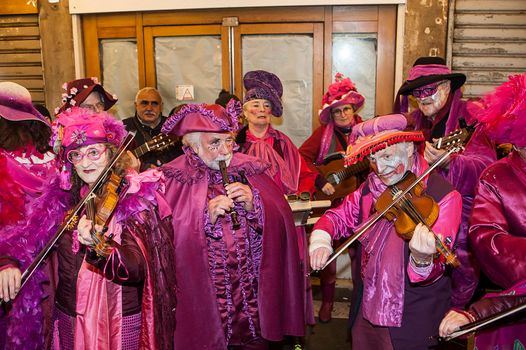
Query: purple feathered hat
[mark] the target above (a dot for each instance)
(80, 127)
(262, 85)
(341, 92)
(377, 134)
(204, 118)
(16, 104)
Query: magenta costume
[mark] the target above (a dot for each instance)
(24, 174)
(464, 168)
(497, 237)
(409, 304)
(233, 286)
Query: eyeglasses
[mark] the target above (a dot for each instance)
(99, 106)
(427, 90)
(93, 153)
(338, 112)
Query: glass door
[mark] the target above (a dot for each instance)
(294, 52)
(179, 56)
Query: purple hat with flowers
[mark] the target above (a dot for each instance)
(80, 127)
(16, 104)
(341, 92)
(262, 85)
(78, 90)
(377, 134)
(204, 118)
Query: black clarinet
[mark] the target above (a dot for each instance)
(233, 215)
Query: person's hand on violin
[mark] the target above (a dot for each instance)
(431, 154)
(241, 193)
(10, 280)
(320, 249)
(84, 231)
(452, 322)
(422, 245)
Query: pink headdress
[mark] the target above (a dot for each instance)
(204, 118)
(504, 115)
(341, 92)
(377, 134)
(82, 127)
(16, 104)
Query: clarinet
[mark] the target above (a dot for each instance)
(233, 215)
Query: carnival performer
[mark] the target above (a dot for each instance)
(238, 285)
(405, 290)
(86, 93)
(122, 294)
(26, 165)
(289, 170)
(440, 108)
(338, 115)
(497, 232)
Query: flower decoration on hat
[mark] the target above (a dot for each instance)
(377, 134)
(341, 92)
(504, 112)
(76, 91)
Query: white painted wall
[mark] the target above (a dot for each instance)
(99, 6)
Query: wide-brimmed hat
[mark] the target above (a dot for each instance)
(78, 90)
(204, 118)
(341, 92)
(503, 115)
(16, 104)
(262, 85)
(377, 134)
(427, 70)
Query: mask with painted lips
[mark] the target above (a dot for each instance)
(431, 105)
(89, 170)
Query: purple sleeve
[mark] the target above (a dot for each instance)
(465, 168)
(125, 264)
(501, 254)
(341, 221)
(446, 227)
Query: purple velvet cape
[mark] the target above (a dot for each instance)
(280, 291)
(464, 171)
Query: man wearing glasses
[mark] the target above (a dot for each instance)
(148, 121)
(438, 94)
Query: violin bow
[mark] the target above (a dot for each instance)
(374, 219)
(44, 252)
(474, 326)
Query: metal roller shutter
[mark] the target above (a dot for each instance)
(488, 42)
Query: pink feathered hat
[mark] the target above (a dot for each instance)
(204, 118)
(80, 127)
(341, 92)
(377, 134)
(504, 112)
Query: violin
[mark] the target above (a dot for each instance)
(413, 208)
(100, 210)
(401, 196)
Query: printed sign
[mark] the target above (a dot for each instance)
(184, 92)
